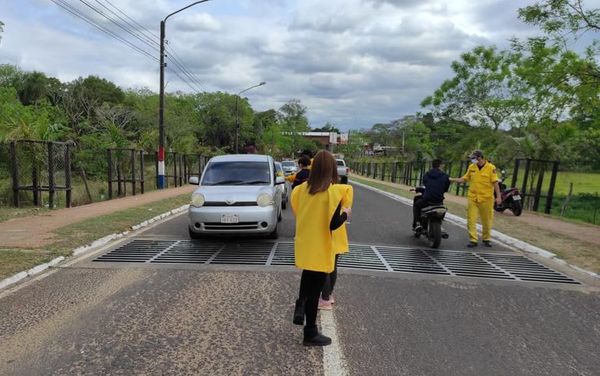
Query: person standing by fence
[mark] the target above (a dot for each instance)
(483, 182)
(317, 205)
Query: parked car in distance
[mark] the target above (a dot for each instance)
(282, 187)
(342, 171)
(289, 167)
(237, 194)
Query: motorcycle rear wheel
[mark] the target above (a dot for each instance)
(435, 233)
(517, 208)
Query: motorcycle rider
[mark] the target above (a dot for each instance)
(436, 183)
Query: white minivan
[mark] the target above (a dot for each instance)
(237, 194)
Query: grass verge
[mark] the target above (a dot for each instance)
(573, 250)
(16, 260)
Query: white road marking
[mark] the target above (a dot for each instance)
(334, 362)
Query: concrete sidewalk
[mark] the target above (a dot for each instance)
(37, 231)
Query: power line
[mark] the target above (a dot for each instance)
(177, 60)
(78, 14)
(138, 34)
(186, 82)
(116, 23)
(145, 31)
(132, 30)
(197, 85)
(186, 73)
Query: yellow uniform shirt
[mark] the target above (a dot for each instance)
(481, 181)
(340, 235)
(314, 242)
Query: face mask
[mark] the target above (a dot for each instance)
(474, 160)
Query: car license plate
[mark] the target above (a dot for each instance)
(516, 197)
(230, 218)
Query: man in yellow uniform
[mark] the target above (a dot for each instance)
(483, 182)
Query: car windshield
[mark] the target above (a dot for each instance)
(340, 163)
(237, 173)
(288, 164)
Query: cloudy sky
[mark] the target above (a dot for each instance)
(350, 62)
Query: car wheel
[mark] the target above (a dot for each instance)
(344, 180)
(284, 204)
(274, 234)
(279, 216)
(194, 235)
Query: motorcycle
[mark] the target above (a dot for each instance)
(431, 220)
(511, 199)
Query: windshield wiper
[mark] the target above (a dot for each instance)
(226, 182)
(250, 182)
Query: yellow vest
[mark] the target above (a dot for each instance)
(481, 182)
(314, 246)
(340, 235)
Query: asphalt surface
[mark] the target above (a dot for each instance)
(104, 318)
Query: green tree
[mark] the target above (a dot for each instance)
(294, 122)
(328, 127)
(484, 91)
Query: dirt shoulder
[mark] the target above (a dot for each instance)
(576, 243)
(39, 230)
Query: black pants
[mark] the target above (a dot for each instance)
(311, 284)
(418, 204)
(330, 281)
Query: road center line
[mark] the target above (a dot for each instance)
(334, 362)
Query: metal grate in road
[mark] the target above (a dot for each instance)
(136, 251)
(365, 257)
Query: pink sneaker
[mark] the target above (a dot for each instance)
(325, 305)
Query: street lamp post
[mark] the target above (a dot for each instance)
(237, 115)
(160, 179)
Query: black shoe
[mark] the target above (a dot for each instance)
(472, 245)
(299, 312)
(313, 338)
(487, 243)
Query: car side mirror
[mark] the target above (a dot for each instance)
(194, 180)
(279, 180)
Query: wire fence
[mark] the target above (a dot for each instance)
(541, 183)
(54, 174)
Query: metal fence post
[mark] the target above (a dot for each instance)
(51, 186)
(15, 172)
(133, 171)
(110, 173)
(551, 189)
(68, 187)
(538, 188)
(515, 173)
(142, 172)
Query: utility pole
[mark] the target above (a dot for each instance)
(237, 116)
(160, 178)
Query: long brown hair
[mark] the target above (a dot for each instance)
(323, 172)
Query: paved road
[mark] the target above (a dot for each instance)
(101, 318)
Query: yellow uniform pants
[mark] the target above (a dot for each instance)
(484, 210)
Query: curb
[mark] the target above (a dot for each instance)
(501, 237)
(87, 248)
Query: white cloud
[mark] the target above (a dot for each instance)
(351, 62)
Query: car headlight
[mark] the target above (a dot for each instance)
(264, 199)
(197, 200)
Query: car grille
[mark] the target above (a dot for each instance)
(223, 203)
(230, 226)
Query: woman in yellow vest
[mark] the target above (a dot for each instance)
(317, 205)
(340, 245)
